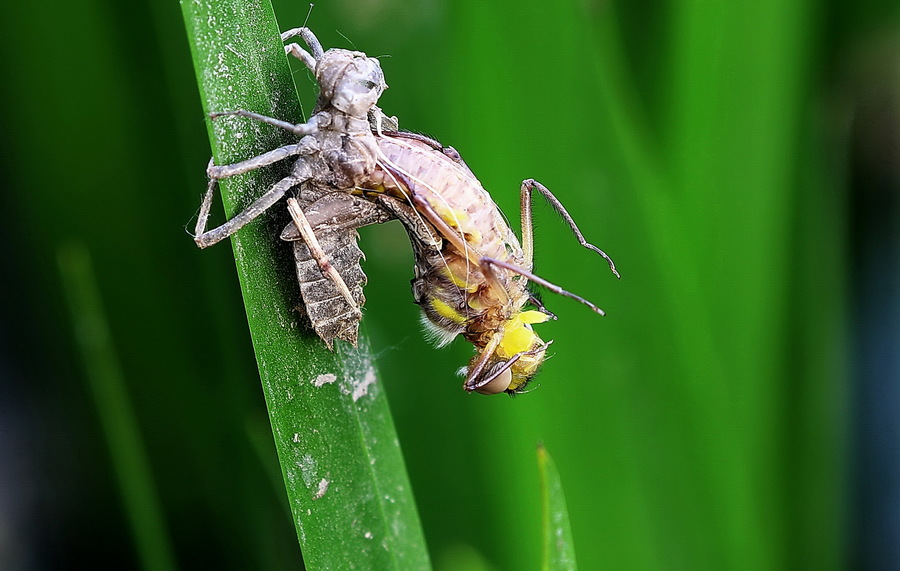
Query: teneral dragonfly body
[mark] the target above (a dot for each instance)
(473, 280)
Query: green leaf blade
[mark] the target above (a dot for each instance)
(344, 474)
(558, 548)
(109, 389)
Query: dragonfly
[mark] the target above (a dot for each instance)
(471, 271)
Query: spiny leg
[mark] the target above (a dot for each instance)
(528, 228)
(270, 157)
(205, 238)
(486, 267)
(224, 171)
(318, 254)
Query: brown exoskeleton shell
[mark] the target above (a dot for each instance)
(336, 151)
(334, 218)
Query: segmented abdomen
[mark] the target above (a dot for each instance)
(452, 192)
(330, 314)
(334, 218)
(450, 283)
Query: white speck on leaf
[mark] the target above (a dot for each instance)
(361, 389)
(307, 466)
(323, 487)
(325, 379)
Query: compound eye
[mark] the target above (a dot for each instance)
(498, 384)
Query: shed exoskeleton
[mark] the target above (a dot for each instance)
(336, 151)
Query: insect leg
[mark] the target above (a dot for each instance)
(206, 204)
(486, 267)
(528, 228)
(300, 129)
(311, 40)
(268, 158)
(205, 238)
(319, 255)
(333, 217)
(472, 382)
(295, 50)
(538, 304)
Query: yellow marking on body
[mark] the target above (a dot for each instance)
(517, 334)
(446, 311)
(533, 316)
(472, 235)
(373, 189)
(453, 217)
(459, 282)
(439, 221)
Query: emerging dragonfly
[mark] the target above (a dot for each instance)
(471, 271)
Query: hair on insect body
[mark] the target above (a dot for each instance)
(355, 168)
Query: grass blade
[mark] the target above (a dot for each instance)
(117, 417)
(345, 477)
(558, 549)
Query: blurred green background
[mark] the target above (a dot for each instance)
(734, 410)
